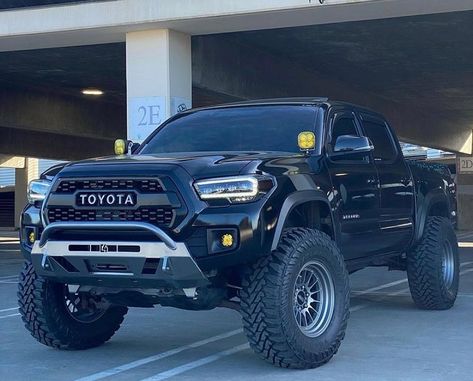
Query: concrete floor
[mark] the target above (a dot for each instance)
(387, 338)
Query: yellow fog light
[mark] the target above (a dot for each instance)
(31, 237)
(120, 147)
(227, 240)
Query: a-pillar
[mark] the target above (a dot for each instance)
(159, 78)
(23, 176)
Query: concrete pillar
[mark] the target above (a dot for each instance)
(22, 177)
(159, 78)
(464, 181)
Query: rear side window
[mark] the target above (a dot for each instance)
(380, 136)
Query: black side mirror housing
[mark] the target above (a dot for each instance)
(132, 147)
(350, 144)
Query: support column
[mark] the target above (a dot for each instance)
(22, 177)
(159, 78)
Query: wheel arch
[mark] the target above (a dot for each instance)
(435, 203)
(309, 209)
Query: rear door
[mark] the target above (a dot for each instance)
(396, 188)
(355, 189)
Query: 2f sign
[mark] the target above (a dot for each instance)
(145, 114)
(465, 165)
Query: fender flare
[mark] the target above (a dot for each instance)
(433, 197)
(293, 200)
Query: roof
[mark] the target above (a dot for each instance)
(295, 100)
(286, 101)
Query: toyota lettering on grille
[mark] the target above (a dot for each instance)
(106, 199)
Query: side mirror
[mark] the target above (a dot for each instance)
(123, 147)
(352, 144)
(133, 147)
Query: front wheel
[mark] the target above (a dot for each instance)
(433, 267)
(60, 316)
(295, 303)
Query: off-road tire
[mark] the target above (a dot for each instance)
(44, 314)
(430, 288)
(267, 301)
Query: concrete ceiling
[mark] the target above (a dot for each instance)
(68, 70)
(423, 61)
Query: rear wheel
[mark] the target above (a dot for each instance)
(433, 267)
(295, 303)
(60, 316)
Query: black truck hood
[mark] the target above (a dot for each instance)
(198, 165)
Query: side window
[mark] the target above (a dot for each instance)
(380, 136)
(344, 125)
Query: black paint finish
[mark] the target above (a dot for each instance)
(374, 209)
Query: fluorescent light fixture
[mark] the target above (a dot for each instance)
(92, 92)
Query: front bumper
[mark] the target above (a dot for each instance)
(162, 263)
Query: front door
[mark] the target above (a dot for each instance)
(396, 188)
(356, 191)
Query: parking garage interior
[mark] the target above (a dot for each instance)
(416, 70)
(410, 60)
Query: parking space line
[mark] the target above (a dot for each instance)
(466, 271)
(9, 277)
(159, 356)
(381, 287)
(386, 295)
(365, 305)
(8, 316)
(395, 283)
(211, 358)
(146, 360)
(195, 364)
(9, 309)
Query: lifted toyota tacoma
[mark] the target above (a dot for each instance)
(264, 207)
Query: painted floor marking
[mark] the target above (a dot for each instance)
(197, 363)
(9, 309)
(8, 316)
(159, 356)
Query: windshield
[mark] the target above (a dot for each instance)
(249, 128)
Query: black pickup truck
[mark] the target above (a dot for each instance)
(264, 207)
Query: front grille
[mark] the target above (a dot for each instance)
(166, 210)
(143, 186)
(162, 216)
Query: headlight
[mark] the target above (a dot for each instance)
(234, 189)
(37, 190)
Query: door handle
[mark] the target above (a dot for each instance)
(372, 180)
(405, 181)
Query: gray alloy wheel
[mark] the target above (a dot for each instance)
(314, 299)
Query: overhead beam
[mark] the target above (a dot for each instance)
(109, 21)
(12, 161)
(49, 145)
